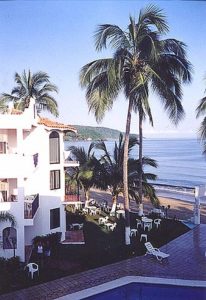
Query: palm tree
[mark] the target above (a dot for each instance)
(37, 86)
(5, 216)
(141, 60)
(87, 175)
(3, 106)
(201, 111)
(112, 172)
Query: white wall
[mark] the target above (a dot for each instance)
(39, 182)
(33, 138)
(42, 219)
(16, 209)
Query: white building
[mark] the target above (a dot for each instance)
(32, 178)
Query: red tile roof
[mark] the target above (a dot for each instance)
(53, 124)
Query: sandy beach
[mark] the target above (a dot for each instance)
(180, 209)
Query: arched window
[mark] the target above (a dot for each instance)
(54, 146)
(9, 238)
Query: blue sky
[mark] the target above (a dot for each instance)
(57, 37)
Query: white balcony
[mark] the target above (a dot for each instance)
(14, 165)
(9, 206)
(68, 162)
(31, 205)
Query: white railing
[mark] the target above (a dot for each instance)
(67, 160)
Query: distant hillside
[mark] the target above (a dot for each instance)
(95, 133)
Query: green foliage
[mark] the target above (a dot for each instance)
(87, 174)
(112, 170)
(36, 86)
(142, 61)
(53, 239)
(6, 216)
(8, 268)
(201, 111)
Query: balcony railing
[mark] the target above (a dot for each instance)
(71, 198)
(68, 161)
(31, 205)
(71, 162)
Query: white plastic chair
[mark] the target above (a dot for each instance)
(103, 220)
(155, 251)
(108, 225)
(133, 232)
(113, 226)
(98, 210)
(148, 226)
(157, 222)
(32, 268)
(143, 236)
(139, 223)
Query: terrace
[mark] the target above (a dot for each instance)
(187, 262)
(31, 204)
(68, 162)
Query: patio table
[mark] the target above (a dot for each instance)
(147, 221)
(158, 211)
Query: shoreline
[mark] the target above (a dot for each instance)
(181, 209)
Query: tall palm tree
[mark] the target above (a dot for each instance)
(141, 60)
(5, 216)
(87, 175)
(112, 171)
(37, 86)
(201, 111)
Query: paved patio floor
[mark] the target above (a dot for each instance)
(187, 261)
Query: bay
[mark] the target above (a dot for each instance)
(181, 165)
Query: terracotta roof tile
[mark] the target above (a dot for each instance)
(53, 124)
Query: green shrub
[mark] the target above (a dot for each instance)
(53, 239)
(8, 268)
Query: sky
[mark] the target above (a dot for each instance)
(57, 37)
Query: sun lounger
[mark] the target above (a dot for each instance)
(155, 251)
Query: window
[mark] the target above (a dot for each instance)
(2, 147)
(9, 238)
(54, 156)
(54, 179)
(54, 218)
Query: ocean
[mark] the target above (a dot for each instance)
(181, 165)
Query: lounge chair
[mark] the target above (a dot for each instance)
(155, 251)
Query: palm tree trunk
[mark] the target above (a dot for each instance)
(140, 162)
(86, 198)
(125, 175)
(114, 205)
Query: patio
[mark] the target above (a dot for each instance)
(187, 261)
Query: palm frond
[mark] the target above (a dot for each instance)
(91, 70)
(153, 16)
(111, 35)
(36, 86)
(6, 216)
(201, 109)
